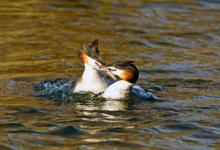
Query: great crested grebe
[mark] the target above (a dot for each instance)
(91, 81)
(125, 74)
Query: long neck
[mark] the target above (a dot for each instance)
(91, 81)
(90, 74)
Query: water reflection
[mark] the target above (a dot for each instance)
(113, 105)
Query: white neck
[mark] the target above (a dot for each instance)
(91, 81)
(90, 73)
(118, 90)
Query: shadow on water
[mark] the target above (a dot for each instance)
(175, 45)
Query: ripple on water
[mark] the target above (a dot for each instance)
(28, 112)
(181, 127)
(25, 131)
(117, 144)
(207, 97)
(114, 130)
(206, 134)
(177, 128)
(32, 111)
(66, 131)
(11, 125)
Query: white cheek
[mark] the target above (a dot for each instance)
(118, 72)
(91, 62)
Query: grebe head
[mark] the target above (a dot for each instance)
(89, 54)
(124, 70)
(89, 60)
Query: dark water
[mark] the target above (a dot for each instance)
(176, 46)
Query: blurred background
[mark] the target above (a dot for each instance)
(174, 43)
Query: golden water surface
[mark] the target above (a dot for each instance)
(174, 43)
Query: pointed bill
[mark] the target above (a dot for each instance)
(97, 65)
(107, 71)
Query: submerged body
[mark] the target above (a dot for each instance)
(118, 90)
(63, 89)
(122, 89)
